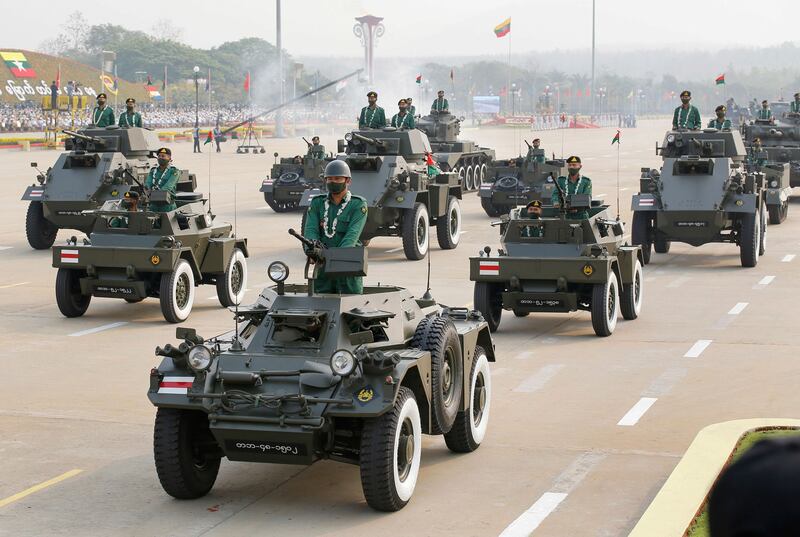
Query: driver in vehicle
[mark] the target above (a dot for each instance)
(533, 211)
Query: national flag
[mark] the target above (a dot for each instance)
(615, 140)
(153, 91)
(419, 79)
(247, 83)
(503, 28)
(175, 385)
(341, 85)
(70, 256)
(18, 64)
(720, 80)
(433, 170)
(489, 268)
(108, 83)
(209, 138)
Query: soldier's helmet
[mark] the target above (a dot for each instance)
(337, 168)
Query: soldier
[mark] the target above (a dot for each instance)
(533, 211)
(533, 152)
(720, 123)
(163, 177)
(794, 106)
(336, 219)
(757, 156)
(402, 119)
(315, 150)
(764, 112)
(102, 115)
(130, 201)
(686, 116)
(575, 183)
(130, 118)
(411, 108)
(440, 104)
(372, 116)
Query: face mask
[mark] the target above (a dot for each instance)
(533, 216)
(336, 188)
(574, 171)
(130, 108)
(685, 101)
(720, 115)
(163, 162)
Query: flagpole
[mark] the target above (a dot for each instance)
(619, 141)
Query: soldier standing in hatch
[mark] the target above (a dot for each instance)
(411, 108)
(130, 117)
(686, 116)
(720, 122)
(764, 112)
(574, 183)
(163, 177)
(402, 119)
(102, 115)
(440, 104)
(316, 150)
(372, 116)
(536, 157)
(337, 219)
(794, 106)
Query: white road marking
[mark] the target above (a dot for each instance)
(624, 189)
(601, 195)
(537, 381)
(677, 282)
(13, 285)
(213, 297)
(637, 411)
(98, 329)
(788, 258)
(6, 247)
(393, 250)
(738, 308)
(535, 514)
(698, 348)
(766, 280)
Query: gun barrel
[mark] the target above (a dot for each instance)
(529, 145)
(367, 139)
(80, 136)
(304, 240)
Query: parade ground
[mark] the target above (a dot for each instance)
(583, 433)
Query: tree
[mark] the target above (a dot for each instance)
(76, 30)
(165, 30)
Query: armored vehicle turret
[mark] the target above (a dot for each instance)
(463, 157)
(353, 378)
(405, 195)
(703, 193)
(289, 179)
(98, 165)
(780, 140)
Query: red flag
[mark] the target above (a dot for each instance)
(419, 79)
(58, 77)
(588, 92)
(579, 93)
(247, 83)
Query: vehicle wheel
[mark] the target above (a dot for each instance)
(661, 245)
(640, 234)
(605, 306)
(470, 426)
(232, 283)
(778, 214)
(469, 178)
(519, 313)
(762, 242)
(482, 175)
(177, 293)
(71, 303)
(439, 336)
(185, 470)
(749, 240)
(488, 300)
(416, 226)
(490, 208)
(461, 177)
(448, 227)
(631, 296)
(391, 449)
(41, 232)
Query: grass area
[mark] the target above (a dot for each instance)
(699, 526)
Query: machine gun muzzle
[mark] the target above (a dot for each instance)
(350, 136)
(85, 138)
(526, 143)
(306, 141)
(313, 249)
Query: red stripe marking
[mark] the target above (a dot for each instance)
(69, 256)
(490, 266)
(175, 385)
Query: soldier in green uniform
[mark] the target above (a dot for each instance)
(794, 106)
(337, 219)
(764, 112)
(411, 108)
(102, 115)
(757, 156)
(130, 201)
(574, 183)
(720, 122)
(372, 116)
(534, 212)
(440, 104)
(163, 177)
(402, 119)
(130, 117)
(315, 150)
(533, 152)
(686, 116)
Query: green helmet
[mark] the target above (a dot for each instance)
(337, 168)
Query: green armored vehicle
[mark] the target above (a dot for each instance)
(98, 165)
(463, 157)
(518, 181)
(703, 194)
(556, 264)
(305, 376)
(134, 254)
(289, 179)
(405, 196)
(780, 141)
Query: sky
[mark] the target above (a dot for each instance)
(425, 29)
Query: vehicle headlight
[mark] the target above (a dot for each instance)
(343, 363)
(348, 137)
(670, 138)
(278, 271)
(200, 357)
(773, 183)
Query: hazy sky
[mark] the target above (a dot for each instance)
(433, 29)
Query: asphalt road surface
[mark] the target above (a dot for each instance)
(583, 430)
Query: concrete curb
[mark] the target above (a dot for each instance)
(685, 491)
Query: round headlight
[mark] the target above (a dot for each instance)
(278, 271)
(670, 138)
(773, 183)
(199, 357)
(343, 363)
(348, 137)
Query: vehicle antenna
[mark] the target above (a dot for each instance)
(617, 138)
(428, 295)
(209, 180)
(237, 345)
